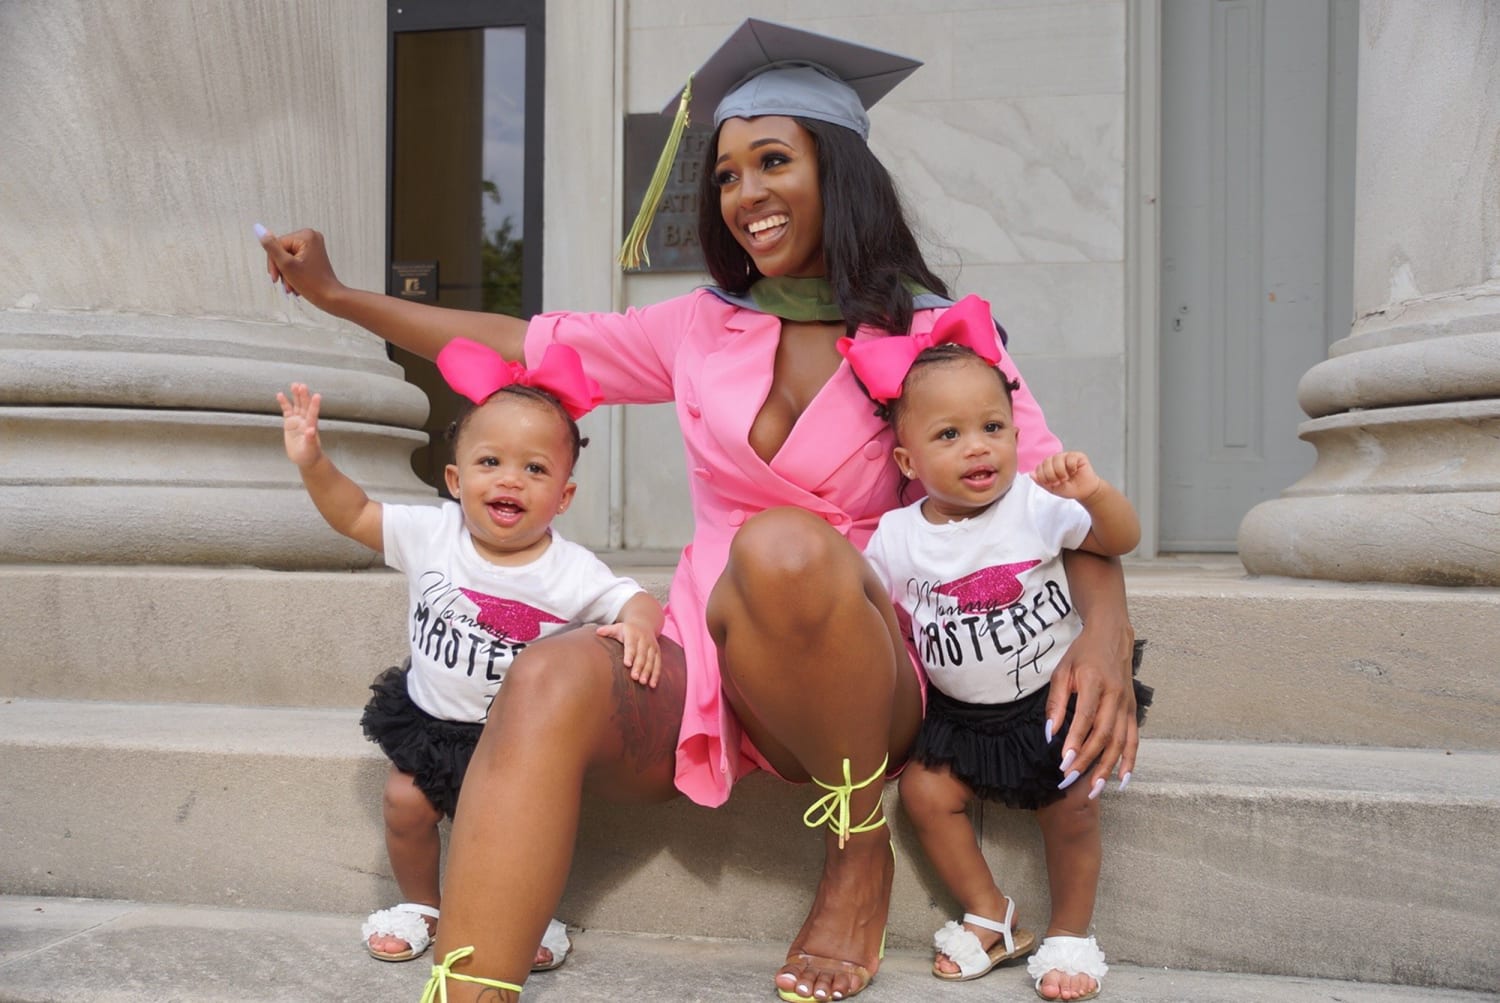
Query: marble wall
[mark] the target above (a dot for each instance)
(141, 341)
(1008, 145)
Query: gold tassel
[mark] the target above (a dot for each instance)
(633, 251)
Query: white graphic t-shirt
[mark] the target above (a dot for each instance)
(469, 617)
(988, 603)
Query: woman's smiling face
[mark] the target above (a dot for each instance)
(767, 176)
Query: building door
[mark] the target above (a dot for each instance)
(465, 196)
(1257, 182)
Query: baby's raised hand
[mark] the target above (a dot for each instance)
(1067, 475)
(642, 652)
(299, 425)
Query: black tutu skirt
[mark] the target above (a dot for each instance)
(1000, 750)
(435, 752)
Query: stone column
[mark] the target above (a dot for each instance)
(141, 342)
(1405, 412)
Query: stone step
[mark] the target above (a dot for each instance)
(1232, 657)
(130, 952)
(1371, 864)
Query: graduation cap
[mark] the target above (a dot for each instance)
(765, 68)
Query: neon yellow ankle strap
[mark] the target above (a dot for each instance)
(834, 806)
(437, 986)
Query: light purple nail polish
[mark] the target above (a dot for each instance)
(1124, 780)
(1068, 780)
(1067, 760)
(1048, 731)
(1097, 789)
(260, 232)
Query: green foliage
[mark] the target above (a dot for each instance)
(500, 257)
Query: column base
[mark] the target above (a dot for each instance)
(1407, 494)
(122, 486)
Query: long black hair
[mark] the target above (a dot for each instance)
(868, 246)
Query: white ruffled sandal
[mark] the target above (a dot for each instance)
(555, 939)
(403, 921)
(962, 947)
(1071, 956)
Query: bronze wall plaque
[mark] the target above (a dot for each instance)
(673, 241)
(415, 280)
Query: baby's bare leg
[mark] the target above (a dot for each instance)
(414, 846)
(1070, 833)
(937, 803)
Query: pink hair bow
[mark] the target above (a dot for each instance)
(477, 371)
(882, 363)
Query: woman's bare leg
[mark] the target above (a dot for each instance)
(814, 666)
(567, 717)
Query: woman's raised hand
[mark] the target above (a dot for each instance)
(300, 263)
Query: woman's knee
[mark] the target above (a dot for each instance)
(786, 553)
(786, 544)
(556, 676)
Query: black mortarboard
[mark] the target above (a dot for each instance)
(765, 68)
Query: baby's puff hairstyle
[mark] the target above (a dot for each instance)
(939, 355)
(533, 394)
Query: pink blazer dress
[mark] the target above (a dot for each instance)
(714, 361)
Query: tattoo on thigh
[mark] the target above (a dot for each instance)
(648, 719)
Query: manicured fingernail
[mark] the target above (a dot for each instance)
(1067, 760)
(1125, 779)
(1048, 731)
(1067, 780)
(260, 232)
(1097, 789)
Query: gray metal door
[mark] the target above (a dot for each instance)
(1256, 242)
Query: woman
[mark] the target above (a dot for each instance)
(781, 650)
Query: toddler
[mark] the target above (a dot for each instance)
(975, 572)
(486, 575)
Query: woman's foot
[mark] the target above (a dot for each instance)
(839, 947)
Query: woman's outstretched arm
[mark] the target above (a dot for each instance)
(1097, 667)
(300, 261)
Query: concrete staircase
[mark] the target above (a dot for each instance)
(1318, 796)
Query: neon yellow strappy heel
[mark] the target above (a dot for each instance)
(436, 990)
(833, 809)
(834, 805)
